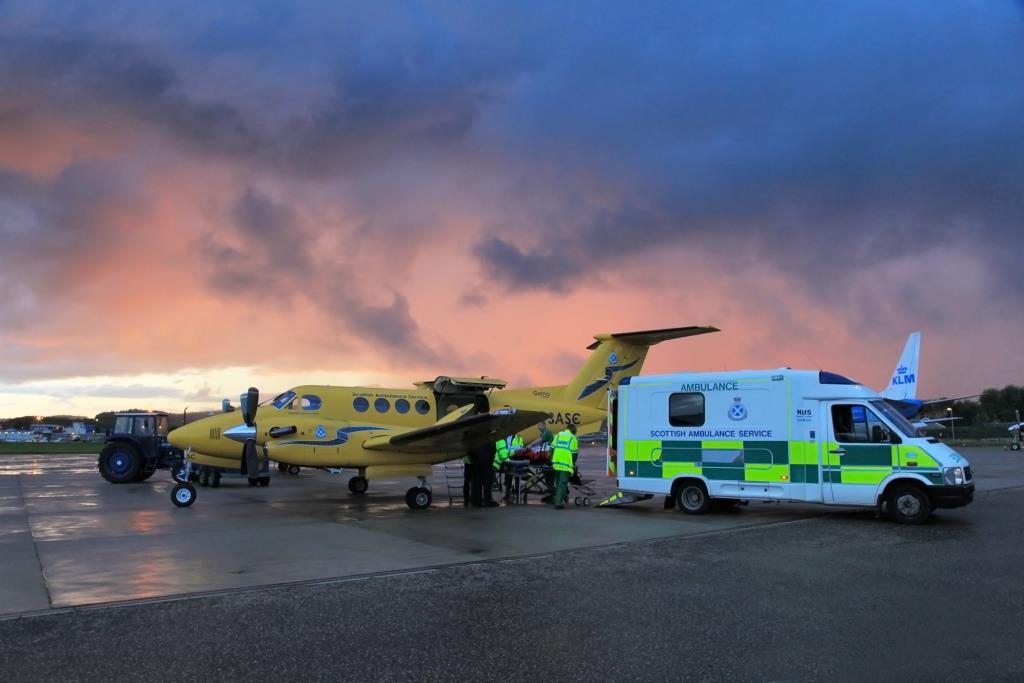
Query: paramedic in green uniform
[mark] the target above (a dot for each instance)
(563, 458)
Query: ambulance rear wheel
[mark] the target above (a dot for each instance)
(692, 498)
(358, 485)
(908, 504)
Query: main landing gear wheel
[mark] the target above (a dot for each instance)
(263, 481)
(358, 486)
(253, 481)
(215, 479)
(293, 469)
(418, 498)
(183, 495)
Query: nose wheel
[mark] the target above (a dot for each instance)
(358, 485)
(183, 495)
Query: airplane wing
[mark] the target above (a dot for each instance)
(460, 434)
(928, 421)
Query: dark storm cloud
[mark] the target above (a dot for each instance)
(102, 80)
(787, 131)
(816, 138)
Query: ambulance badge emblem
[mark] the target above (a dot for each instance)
(737, 411)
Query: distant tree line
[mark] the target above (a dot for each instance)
(993, 406)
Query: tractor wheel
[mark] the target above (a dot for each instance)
(119, 462)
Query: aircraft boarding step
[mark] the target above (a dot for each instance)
(453, 478)
(621, 498)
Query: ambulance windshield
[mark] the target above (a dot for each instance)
(894, 416)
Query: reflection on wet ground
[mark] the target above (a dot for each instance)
(67, 537)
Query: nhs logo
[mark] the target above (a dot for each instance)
(903, 376)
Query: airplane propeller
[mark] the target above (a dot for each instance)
(250, 400)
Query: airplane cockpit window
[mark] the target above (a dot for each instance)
(402, 406)
(422, 407)
(283, 400)
(361, 404)
(311, 402)
(381, 405)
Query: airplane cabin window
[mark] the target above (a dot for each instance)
(361, 404)
(310, 402)
(422, 407)
(402, 406)
(381, 405)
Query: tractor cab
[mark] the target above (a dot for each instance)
(141, 425)
(137, 447)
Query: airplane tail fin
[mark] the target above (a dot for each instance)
(617, 356)
(903, 385)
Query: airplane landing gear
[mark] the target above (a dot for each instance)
(183, 495)
(419, 497)
(358, 485)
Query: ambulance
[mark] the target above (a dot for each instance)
(706, 439)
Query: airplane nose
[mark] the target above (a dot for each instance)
(186, 436)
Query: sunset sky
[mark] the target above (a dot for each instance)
(197, 197)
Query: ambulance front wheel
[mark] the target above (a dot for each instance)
(692, 498)
(908, 504)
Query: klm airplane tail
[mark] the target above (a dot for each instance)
(903, 385)
(617, 356)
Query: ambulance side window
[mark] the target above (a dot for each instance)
(686, 410)
(858, 424)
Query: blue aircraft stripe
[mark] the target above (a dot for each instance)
(609, 371)
(341, 437)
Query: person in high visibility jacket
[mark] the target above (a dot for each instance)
(563, 461)
(504, 450)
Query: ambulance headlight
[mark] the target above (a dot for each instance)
(954, 476)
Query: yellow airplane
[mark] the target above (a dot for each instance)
(403, 432)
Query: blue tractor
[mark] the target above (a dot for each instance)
(137, 447)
